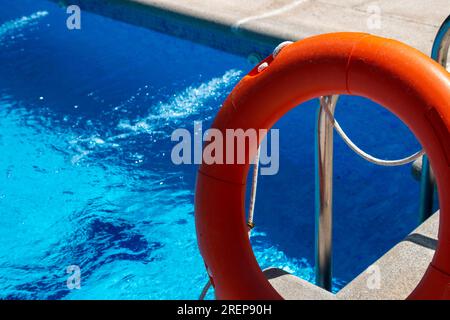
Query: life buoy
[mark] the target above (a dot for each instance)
(405, 81)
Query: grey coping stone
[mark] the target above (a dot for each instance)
(293, 288)
(254, 27)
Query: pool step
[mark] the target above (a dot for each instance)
(392, 277)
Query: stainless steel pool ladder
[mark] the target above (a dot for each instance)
(324, 171)
(439, 53)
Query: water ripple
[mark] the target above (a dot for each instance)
(13, 26)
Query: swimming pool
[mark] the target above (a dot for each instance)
(85, 123)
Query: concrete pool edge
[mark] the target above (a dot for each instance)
(212, 32)
(254, 29)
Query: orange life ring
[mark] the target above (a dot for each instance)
(408, 83)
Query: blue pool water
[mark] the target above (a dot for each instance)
(86, 177)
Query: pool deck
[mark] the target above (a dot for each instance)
(256, 26)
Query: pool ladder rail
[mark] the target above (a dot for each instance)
(326, 123)
(324, 170)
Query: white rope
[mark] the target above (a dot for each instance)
(365, 155)
(205, 291)
(251, 207)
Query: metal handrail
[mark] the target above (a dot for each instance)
(365, 155)
(324, 172)
(324, 195)
(324, 184)
(441, 44)
(439, 52)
